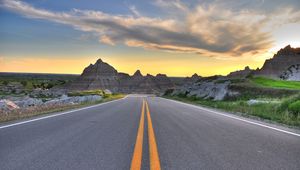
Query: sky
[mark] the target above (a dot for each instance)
(178, 38)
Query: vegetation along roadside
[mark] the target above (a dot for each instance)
(47, 109)
(285, 111)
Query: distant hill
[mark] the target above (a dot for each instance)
(281, 62)
(101, 75)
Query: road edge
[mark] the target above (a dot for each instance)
(4, 125)
(276, 127)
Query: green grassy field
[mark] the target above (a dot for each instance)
(266, 82)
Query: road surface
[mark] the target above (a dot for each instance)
(141, 132)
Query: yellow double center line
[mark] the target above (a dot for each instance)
(138, 148)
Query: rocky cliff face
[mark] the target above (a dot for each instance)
(103, 76)
(281, 61)
(206, 89)
(292, 73)
(163, 82)
(97, 76)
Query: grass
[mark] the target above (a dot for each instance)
(36, 80)
(40, 110)
(87, 92)
(281, 84)
(270, 111)
(285, 110)
(295, 107)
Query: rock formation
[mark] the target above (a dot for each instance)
(65, 100)
(98, 76)
(281, 61)
(292, 73)
(195, 77)
(240, 73)
(163, 82)
(285, 64)
(103, 76)
(7, 105)
(206, 89)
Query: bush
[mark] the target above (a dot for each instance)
(285, 104)
(168, 92)
(49, 86)
(24, 83)
(87, 92)
(61, 82)
(295, 108)
(288, 112)
(5, 83)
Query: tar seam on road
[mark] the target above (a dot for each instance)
(138, 148)
(236, 118)
(153, 153)
(58, 114)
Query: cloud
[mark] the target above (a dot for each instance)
(106, 40)
(173, 5)
(209, 29)
(134, 10)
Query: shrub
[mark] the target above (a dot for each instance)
(24, 83)
(5, 83)
(87, 92)
(168, 92)
(61, 82)
(295, 108)
(285, 104)
(49, 86)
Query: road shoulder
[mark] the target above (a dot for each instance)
(53, 113)
(241, 117)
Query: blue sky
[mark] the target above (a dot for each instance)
(124, 32)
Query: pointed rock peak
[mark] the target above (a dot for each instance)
(99, 61)
(288, 47)
(195, 75)
(149, 75)
(137, 73)
(288, 50)
(247, 68)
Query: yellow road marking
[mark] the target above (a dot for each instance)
(153, 153)
(138, 148)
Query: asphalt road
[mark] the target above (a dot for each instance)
(146, 132)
